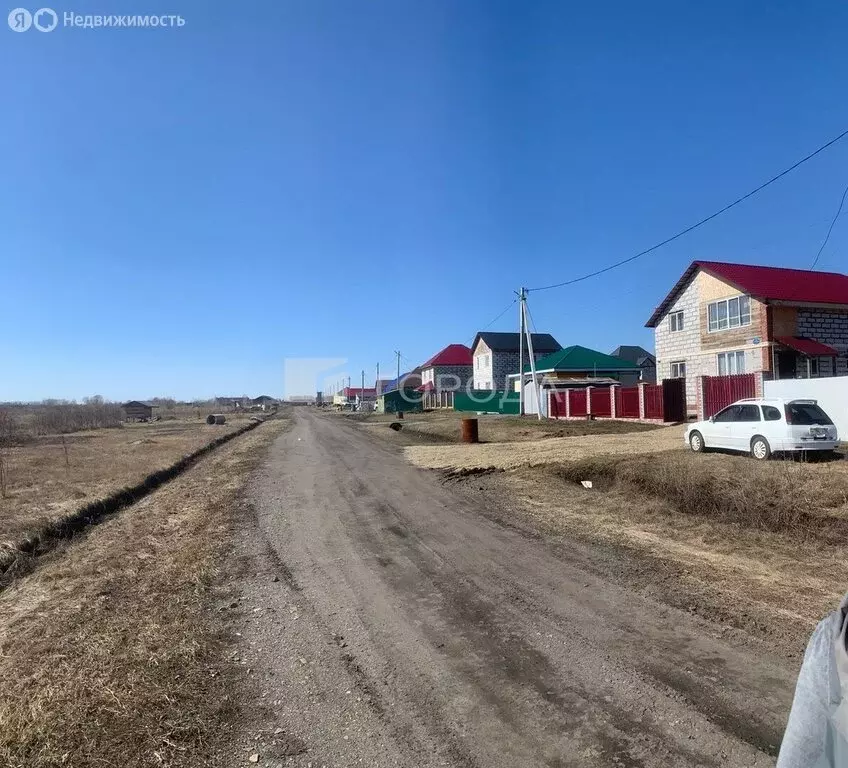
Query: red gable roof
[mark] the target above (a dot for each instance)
(452, 354)
(769, 283)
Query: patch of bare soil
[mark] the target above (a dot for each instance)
(443, 426)
(110, 652)
(549, 450)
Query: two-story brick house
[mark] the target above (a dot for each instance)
(723, 319)
(449, 369)
(496, 356)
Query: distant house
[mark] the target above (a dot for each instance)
(232, 402)
(581, 366)
(449, 369)
(722, 319)
(408, 380)
(355, 395)
(138, 410)
(263, 400)
(496, 356)
(645, 360)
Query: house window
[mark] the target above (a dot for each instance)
(729, 313)
(678, 370)
(675, 321)
(731, 363)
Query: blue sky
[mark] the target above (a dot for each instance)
(181, 210)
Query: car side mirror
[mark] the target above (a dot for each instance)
(712, 419)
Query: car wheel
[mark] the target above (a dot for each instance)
(760, 449)
(696, 442)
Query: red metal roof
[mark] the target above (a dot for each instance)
(805, 346)
(802, 286)
(452, 354)
(359, 392)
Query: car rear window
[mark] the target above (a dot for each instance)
(748, 413)
(807, 413)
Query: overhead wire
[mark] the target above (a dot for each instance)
(830, 229)
(697, 224)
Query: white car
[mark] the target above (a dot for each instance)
(763, 427)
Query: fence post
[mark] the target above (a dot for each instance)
(641, 387)
(613, 410)
(567, 403)
(701, 398)
(588, 401)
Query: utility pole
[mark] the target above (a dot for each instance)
(362, 391)
(398, 368)
(536, 384)
(521, 299)
(377, 382)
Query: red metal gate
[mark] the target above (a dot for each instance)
(674, 400)
(627, 402)
(721, 391)
(653, 401)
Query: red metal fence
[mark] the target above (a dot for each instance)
(557, 405)
(653, 401)
(627, 402)
(721, 391)
(600, 402)
(578, 401)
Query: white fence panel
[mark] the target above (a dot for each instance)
(831, 393)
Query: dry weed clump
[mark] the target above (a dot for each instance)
(782, 496)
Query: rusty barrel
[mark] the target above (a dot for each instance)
(469, 431)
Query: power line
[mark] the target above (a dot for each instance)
(830, 229)
(499, 316)
(699, 223)
(493, 320)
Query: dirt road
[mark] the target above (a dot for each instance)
(409, 629)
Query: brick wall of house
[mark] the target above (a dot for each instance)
(699, 348)
(482, 374)
(501, 365)
(682, 346)
(440, 374)
(829, 326)
(505, 364)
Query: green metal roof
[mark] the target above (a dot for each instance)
(577, 358)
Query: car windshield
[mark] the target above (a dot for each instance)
(807, 413)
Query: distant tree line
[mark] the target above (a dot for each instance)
(23, 420)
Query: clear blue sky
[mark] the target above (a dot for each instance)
(183, 209)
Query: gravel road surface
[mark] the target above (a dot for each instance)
(409, 629)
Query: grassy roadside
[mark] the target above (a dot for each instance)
(782, 496)
(109, 655)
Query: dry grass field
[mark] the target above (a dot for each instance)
(51, 476)
(111, 651)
